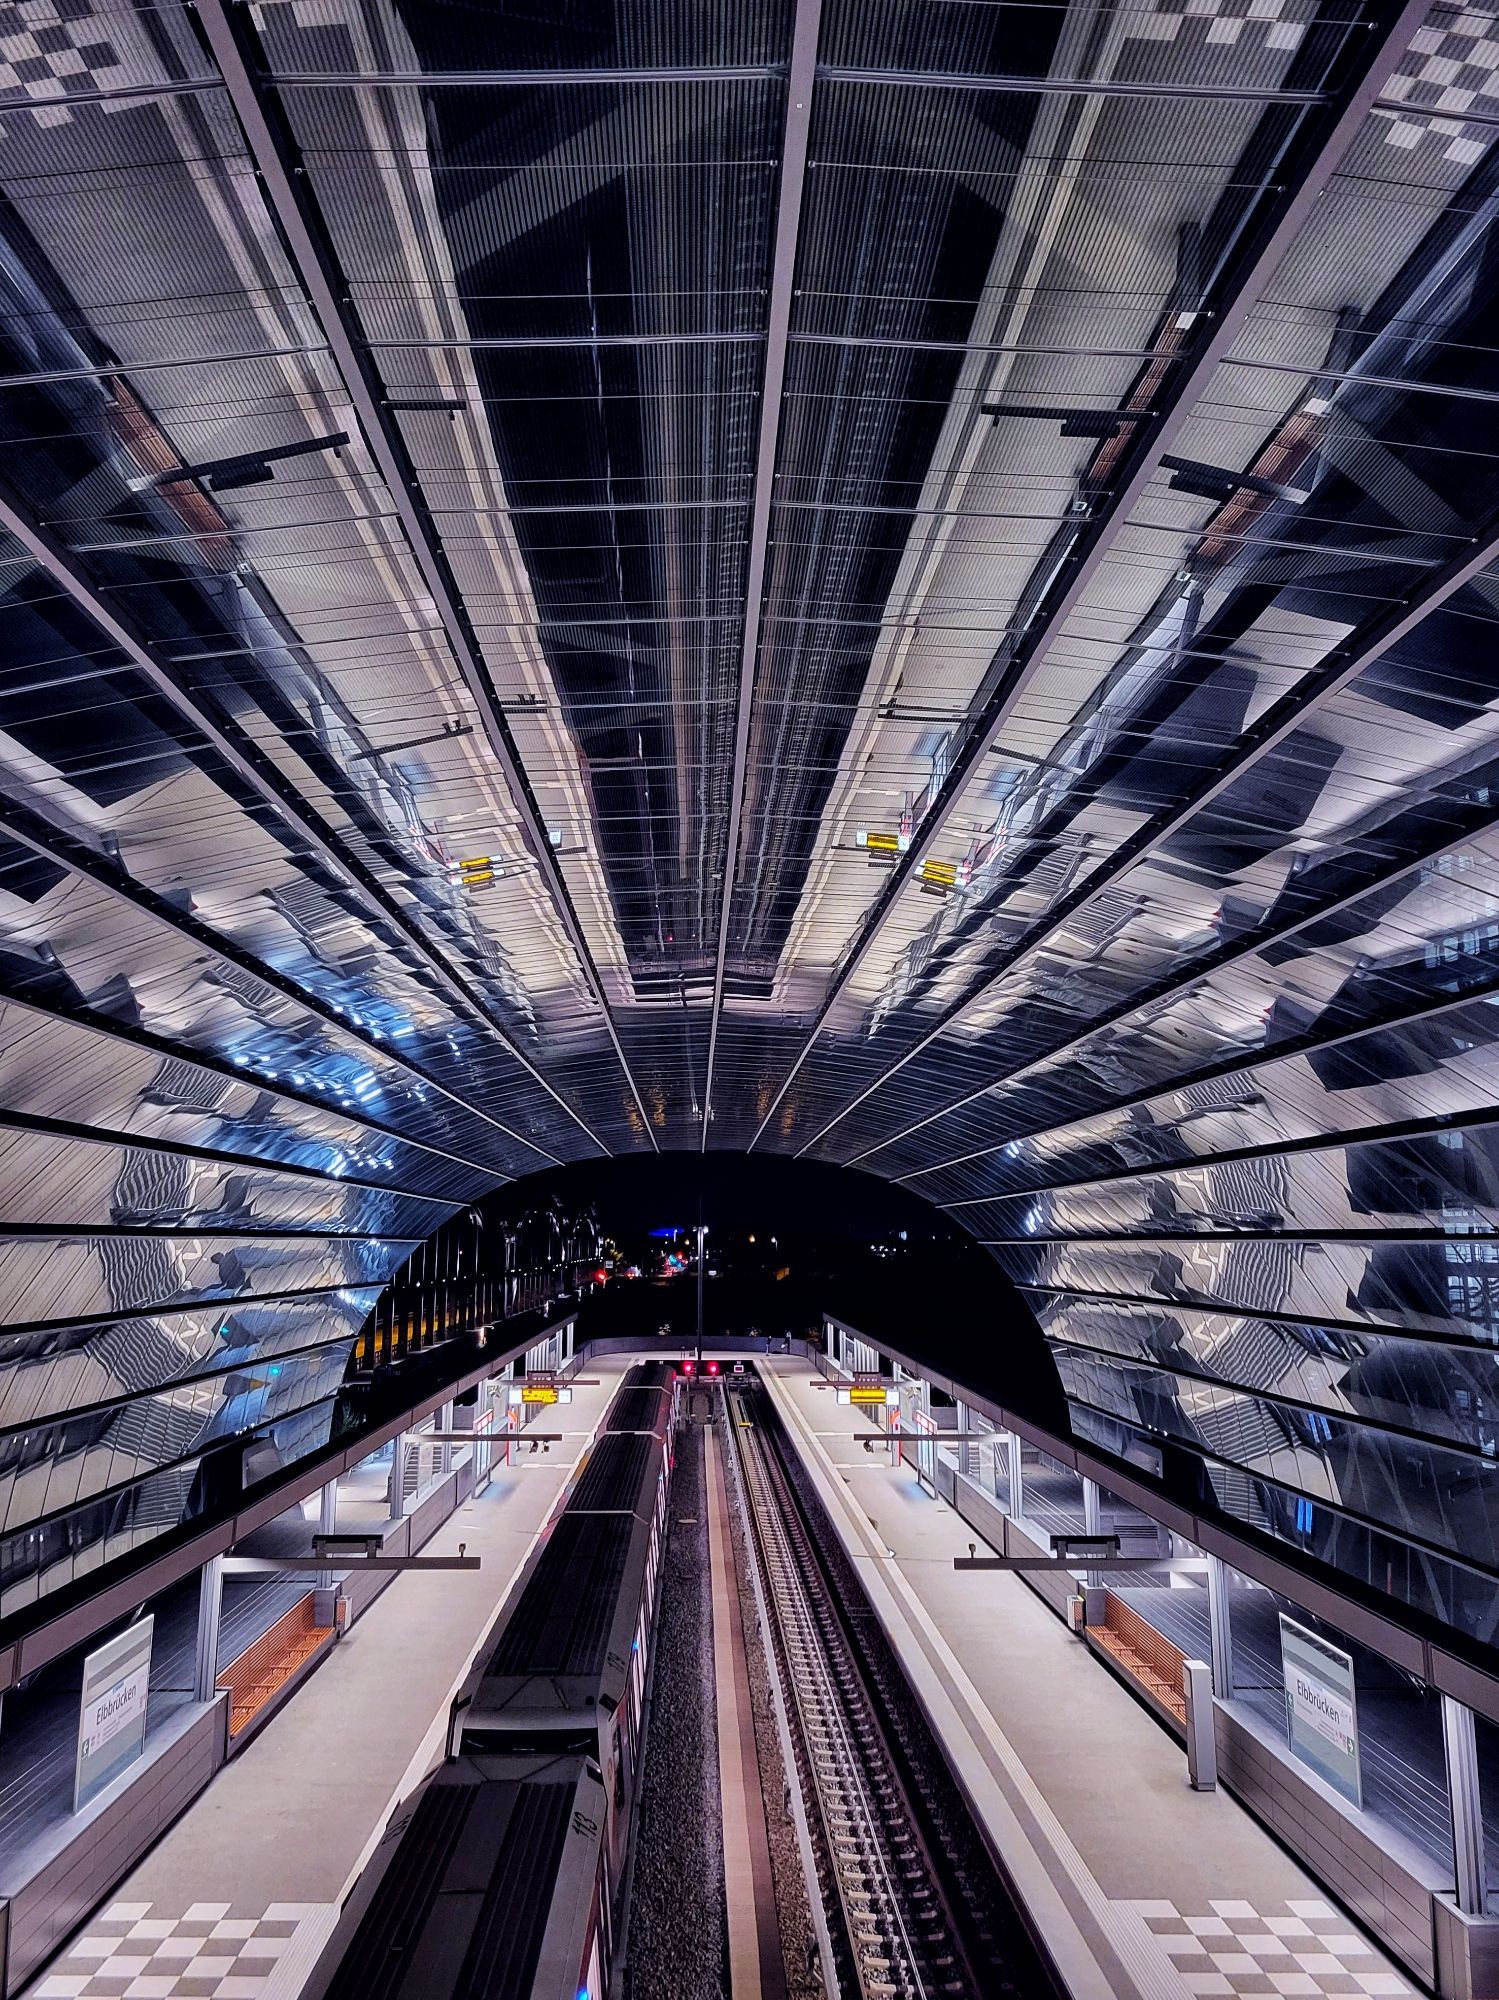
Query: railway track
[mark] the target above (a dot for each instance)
(894, 1893)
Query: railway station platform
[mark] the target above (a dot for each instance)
(1141, 1886)
(235, 1901)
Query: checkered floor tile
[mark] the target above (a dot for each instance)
(1306, 1948)
(211, 1951)
(51, 50)
(1245, 24)
(1452, 66)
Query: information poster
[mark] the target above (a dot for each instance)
(112, 1720)
(1321, 1709)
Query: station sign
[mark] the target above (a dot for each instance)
(867, 1389)
(112, 1716)
(535, 1393)
(1321, 1707)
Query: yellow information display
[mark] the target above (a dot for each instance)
(866, 1395)
(536, 1392)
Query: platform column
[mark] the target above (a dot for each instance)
(1460, 1744)
(484, 1433)
(1221, 1630)
(1093, 1520)
(210, 1608)
(397, 1494)
(1014, 1477)
(327, 1524)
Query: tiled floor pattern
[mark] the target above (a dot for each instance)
(212, 1951)
(1306, 1948)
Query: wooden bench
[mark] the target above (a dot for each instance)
(1141, 1652)
(264, 1668)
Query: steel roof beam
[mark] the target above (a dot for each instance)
(1224, 322)
(227, 29)
(1425, 1007)
(807, 23)
(255, 769)
(1280, 721)
(1016, 85)
(516, 79)
(42, 837)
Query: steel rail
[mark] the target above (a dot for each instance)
(845, 1760)
(228, 32)
(806, 27)
(1075, 572)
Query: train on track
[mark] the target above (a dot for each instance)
(499, 1877)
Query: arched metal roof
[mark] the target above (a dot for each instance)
(905, 583)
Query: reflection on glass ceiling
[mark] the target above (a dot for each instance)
(908, 583)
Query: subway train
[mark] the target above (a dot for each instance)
(500, 1875)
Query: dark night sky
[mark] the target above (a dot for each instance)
(738, 1191)
(942, 1297)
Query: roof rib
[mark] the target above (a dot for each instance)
(777, 341)
(1339, 120)
(227, 29)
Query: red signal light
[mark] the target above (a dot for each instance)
(687, 1367)
(712, 1367)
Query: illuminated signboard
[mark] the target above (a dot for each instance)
(112, 1719)
(867, 1396)
(1321, 1707)
(536, 1392)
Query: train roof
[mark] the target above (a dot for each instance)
(639, 1409)
(476, 1874)
(560, 1622)
(620, 1475)
(649, 1375)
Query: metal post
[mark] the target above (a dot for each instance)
(1017, 1478)
(483, 1458)
(397, 1493)
(1092, 1519)
(327, 1523)
(210, 1606)
(1221, 1628)
(965, 1448)
(1202, 1745)
(1460, 1745)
